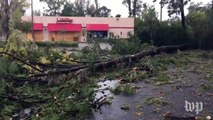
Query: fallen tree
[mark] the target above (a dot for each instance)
(110, 63)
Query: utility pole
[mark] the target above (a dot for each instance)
(33, 35)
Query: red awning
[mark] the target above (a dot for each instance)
(97, 27)
(37, 26)
(64, 27)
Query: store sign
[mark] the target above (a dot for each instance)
(64, 20)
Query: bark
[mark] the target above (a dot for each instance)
(134, 8)
(129, 7)
(6, 19)
(182, 14)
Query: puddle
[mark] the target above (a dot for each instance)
(104, 89)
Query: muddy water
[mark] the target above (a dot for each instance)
(104, 89)
(187, 86)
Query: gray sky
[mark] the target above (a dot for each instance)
(116, 6)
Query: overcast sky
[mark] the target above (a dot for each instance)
(116, 6)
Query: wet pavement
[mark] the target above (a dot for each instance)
(187, 86)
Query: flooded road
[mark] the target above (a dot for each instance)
(169, 99)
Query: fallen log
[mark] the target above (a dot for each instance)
(126, 58)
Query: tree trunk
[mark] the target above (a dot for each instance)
(182, 14)
(129, 7)
(134, 8)
(113, 62)
(6, 19)
(96, 8)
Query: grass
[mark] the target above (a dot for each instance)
(160, 79)
(156, 101)
(124, 89)
(125, 107)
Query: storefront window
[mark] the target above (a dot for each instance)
(97, 34)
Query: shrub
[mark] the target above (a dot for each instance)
(124, 47)
(67, 44)
(59, 44)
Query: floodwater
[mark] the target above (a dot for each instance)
(187, 87)
(104, 89)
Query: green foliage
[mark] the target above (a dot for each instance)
(58, 44)
(124, 89)
(197, 22)
(156, 101)
(125, 47)
(83, 8)
(53, 7)
(8, 67)
(17, 44)
(23, 26)
(125, 107)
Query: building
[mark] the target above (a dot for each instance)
(59, 28)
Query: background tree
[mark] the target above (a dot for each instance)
(68, 10)
(37, 13)
(54, 6)
(134, 7)
(176, 7)
(118, 15)
(128, 3)
(83, 8)
(162, 4)
(96, 7)
(7, 9)
(197, 23)
(90, 9)
(150, 24)
(137, 6)
(104, 12)
(80, 6)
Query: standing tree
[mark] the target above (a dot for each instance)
(137, 5)
(162, 4)
(176, 7)
(83, 8)
(68, 10)
(198, 24)
(128, 4)
(90, 9)
(37, 13)
(151, 22)
(80, 6)
(104, 12)
(7, 10)
(134, 7)
(96, 8)
(54, 6)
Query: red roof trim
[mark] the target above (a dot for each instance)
(97, 27)
(64, 27)
(38, 26)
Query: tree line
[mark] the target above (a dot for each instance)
(196, 30)
(75, 8)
